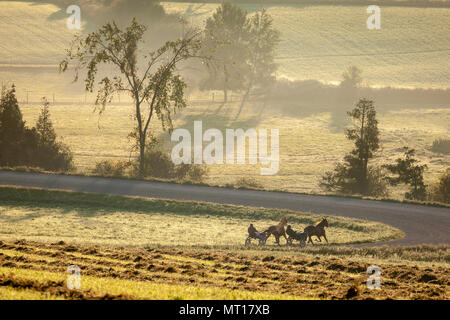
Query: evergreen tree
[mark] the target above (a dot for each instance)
(35, 147)
(12, 128)
(354, 176)
(50, 154)
(44, 125)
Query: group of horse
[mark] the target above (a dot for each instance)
(289, 234)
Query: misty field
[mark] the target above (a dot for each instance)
(143, 248)
(124, 221)
(308, 146)
(318, 42)
(408, 51)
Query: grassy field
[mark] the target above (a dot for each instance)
(311, 48)
(113, 220)
(321, 48)
(308, 144)
(136, 248)
(35, 270)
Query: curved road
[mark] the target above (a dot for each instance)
(421, 224)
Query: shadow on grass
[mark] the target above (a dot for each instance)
(89, 205)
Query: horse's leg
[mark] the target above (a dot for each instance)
(284, 234)
(325, 238)
(310, 240)
(318, 237)
(277, 241)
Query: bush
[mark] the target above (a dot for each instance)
(340, 181)
(377, 186)
(109, 168)
(248, 182)
(192, 172)
(441, 191)
(441, 146)
(157, 164)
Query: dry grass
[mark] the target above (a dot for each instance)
(32, 270)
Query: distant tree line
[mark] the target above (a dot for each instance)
(31, 147)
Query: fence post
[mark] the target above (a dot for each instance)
(27, 91)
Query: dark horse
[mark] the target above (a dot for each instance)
(277, 231)
(318, 230)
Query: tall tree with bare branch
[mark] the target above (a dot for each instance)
(154, 84)
(354, 174)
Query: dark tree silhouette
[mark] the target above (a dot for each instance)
(354, 176)
(12, 130)
(35, 147)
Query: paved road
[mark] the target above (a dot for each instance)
(421, 224)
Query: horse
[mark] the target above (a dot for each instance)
(254, 234)
(318, 230)
(277, 231)
(299, 236)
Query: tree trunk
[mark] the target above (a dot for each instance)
(363, 154)
(141, 157)
(244, 100)
(225, 95)
(365, 180)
